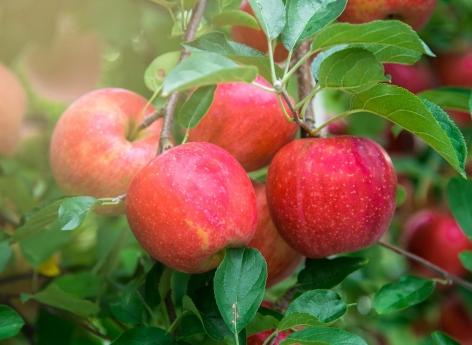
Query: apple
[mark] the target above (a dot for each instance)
(256, 38)
(404, 143)
(413, 12)
(455, 69)
(93, 148)
(190, 203)
(456, 320)
(260, 338)
(281, 259)
(415, 78)
(331, 195)
(436, 236)
(462, 118)
(247, 122)
(12, 111)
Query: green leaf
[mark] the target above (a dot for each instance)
(201, 69)
(388, 40)
(144, 336)
(196, 106)
(298, 320)
(235, 17)
(73, 211)
(10, 322)
(271, 16)
(323, 336)
(217, 42)
(159, 68)
(128, 306)
(406, 292)
(466, 259)
(306, 17)
(450, 98)
(324, 305)
(459, 194)
(81, 285)
(178, 286)
(439, 338)
(239, 286)
(54, 296)
(5, 254)
(327, 273)
(351, 70)
(422, 118)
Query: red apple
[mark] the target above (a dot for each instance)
(260, 338)
(12, 110)
(93, 151)
(189, 204)
(462, 118)
(331, 195)
(403, 143)
(256, 38)
(413, 12)
(247, 122)
(456, 321)
(436, 236)
(455, 69)
(415, 78)
(280, 257)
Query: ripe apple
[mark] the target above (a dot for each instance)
(256, 38)
(331, 195)
(436, 236)
(189, 204)
(280, 257)
(455, 69)
(93, 149)
(404, 143)
(456, 320)
(247, 122)
(260, 338)
(415, 78)
(12, 110)
(413, 12)
(462, 118)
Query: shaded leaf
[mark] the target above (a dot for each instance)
(323, 336)
(10, 322)
(144, 336)
(235, 17)
(73, 211)
(271, 16)
(196, 106)
(454, 98)
(5, 254)
(459, 194)
(159, 68)
(439, 338)
(466, 259)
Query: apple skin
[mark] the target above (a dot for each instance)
(281, 259)
(247, 122)
(436, 236)
(415, 78)
(455, 69)
(413, 12)
(331, 195)
(259, 338)
(456, 321)
(12, 111)
(189, 204)
(90, 153)
(256, 38)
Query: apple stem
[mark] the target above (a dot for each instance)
(166, 139)
(448, 277)
(305, 85)
(149, 120)
(295, 114)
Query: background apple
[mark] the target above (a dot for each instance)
(456, 320)
(260, 338)
(455, 68)
(280, 257)
(12, 110)
(413, 12)
(435, 236)
(256, 38)
(93, 148)
(189, 204)
(329, 196)
(247, 122)
(415, 78)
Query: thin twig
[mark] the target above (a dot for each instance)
(450, 278)
(149, 120)
(170, 308)
(305, 85)
(295, 115)
(166, 139)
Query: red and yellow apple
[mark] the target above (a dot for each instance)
(256, 38)
(247, 122)
(416, 13)
(435, 236)
(331, 195)
(12, 110)
(189, 204)
(415, 78)
(94, 148)
(280, 257)
(456, 320)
